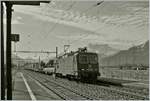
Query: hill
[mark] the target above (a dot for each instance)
(102, 49)
(137, 55)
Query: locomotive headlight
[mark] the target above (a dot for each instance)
(82, 69)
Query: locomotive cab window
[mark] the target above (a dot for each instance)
(83, 59)
(92, 59)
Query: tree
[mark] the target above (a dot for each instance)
(42, 64)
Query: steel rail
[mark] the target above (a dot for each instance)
(120, 92)
(61, 87)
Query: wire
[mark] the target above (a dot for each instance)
(71, 6)
(52, 29)
(56, 24)
(97, 4)
(79, 38)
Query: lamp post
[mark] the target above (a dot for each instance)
(2, 57)
(9, 5)
(8, 50)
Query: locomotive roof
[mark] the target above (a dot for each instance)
(76, 53)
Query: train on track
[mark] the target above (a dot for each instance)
(74, 65)
(80, 64)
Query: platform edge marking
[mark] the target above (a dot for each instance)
(44, 88)
(28, 88)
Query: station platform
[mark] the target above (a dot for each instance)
(20, 91)
(126, 83)
(25, 88)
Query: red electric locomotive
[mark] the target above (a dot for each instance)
(80, 65)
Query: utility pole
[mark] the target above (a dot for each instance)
(133, 57)
(56, 52)
(2, 57)
(9, 5)
(39, 62)
(126, 60)
(56, 62)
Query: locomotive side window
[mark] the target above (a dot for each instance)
(83, 59)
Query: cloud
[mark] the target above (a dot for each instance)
(47, 17)
(76, 19)
(103, 27)
(19, 18)
(16, 22)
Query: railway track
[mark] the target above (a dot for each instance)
(113, 91)
(60, 90)
(135, 91)
(91, 91)
(138, 91)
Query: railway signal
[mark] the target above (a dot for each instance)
(15, 37)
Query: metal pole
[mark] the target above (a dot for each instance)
(133, 56)
(64, 50)
(15, 47)
(2, 57)
(15, 50)
(56, 52)
(8, 51)
(56, 61)
(39, 62)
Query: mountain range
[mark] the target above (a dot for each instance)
(102, 49)
(109, 56)
(136, 55)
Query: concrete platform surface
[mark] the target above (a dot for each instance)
(26, 88)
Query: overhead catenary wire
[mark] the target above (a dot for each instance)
(50, 31)
(56, 23)
(97, 4)
(78, 39)
(48, 52)
(70, 7)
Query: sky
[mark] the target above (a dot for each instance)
(120, 24)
